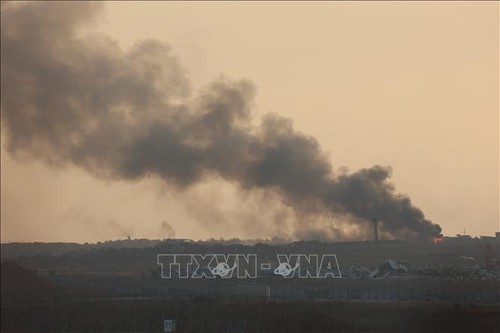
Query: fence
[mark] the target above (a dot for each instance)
(203, 314)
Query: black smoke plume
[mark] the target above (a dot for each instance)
(69, 97)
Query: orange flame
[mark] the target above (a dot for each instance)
(438, 239)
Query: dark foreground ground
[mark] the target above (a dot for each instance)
(207, 315)
(117, 287)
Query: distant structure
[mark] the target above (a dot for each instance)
(464, 236)
(497, 235)
(491, 238)
(375, 229)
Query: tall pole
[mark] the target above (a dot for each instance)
(375, 229)
(375, 239)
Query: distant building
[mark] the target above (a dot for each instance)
(497, 235)
(463, 236)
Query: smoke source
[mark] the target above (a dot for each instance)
(76, 98)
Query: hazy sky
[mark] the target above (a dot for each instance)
(411, 85)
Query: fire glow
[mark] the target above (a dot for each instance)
(438, 239)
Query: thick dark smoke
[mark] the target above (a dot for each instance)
(69, 97)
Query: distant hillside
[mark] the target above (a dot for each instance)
(19, 281)
(57, 248)
(38, 248)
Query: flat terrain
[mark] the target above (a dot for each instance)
(116, 287)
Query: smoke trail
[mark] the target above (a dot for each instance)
(166, 230)
(81, 99)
